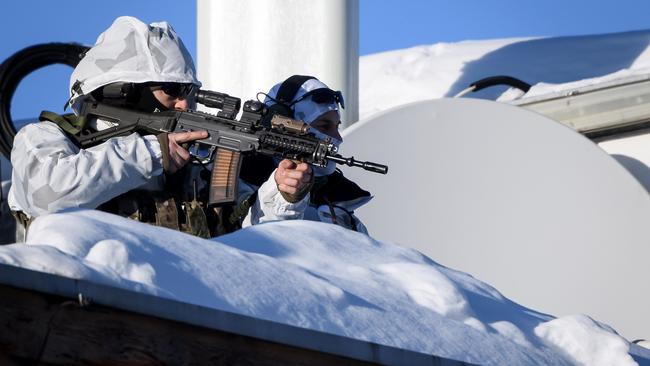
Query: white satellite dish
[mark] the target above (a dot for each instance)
(515, 199)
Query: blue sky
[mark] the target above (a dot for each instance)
(393, 24)
(384, 25)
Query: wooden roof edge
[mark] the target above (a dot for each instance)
(215, 319)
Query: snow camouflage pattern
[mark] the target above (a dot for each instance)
(51, 174)
(132, 51)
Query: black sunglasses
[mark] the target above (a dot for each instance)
(175, 90)
(322, 96)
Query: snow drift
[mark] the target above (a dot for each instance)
(318, 276)
(393, 78)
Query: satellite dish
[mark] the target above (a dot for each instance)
(515, 199)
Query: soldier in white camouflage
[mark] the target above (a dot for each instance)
(153, 71)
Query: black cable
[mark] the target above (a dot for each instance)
(500, 80)
(493, 81)
(21, 64)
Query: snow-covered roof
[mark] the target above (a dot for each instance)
(393, 78)
(320, 277)
(92, 293)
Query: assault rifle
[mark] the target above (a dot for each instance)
(256, 131)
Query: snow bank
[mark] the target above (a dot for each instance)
(586, 341)
(393, 78)
(317, 276)
(558, 90)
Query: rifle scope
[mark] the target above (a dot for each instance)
(229, 105)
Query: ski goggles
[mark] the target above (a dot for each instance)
(175, 90)
(322, 96)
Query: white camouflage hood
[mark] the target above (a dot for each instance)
(132, 51)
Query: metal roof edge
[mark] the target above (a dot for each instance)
(579, 90)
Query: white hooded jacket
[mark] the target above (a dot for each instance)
(51, 174)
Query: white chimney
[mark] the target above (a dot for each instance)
(246, 46)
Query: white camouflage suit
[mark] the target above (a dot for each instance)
(51, 174)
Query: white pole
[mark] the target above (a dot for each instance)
(246, 46)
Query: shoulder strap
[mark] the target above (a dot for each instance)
(241, 210)
(22, 219)
(69, 123)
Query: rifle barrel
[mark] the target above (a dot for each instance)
(366, 165)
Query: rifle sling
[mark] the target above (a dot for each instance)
(240, 212)
(69, 123)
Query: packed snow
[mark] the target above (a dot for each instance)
(325, 278)
(393, 78)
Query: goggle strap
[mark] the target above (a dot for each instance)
(289, 88)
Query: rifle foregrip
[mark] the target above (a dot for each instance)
(223, 183)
